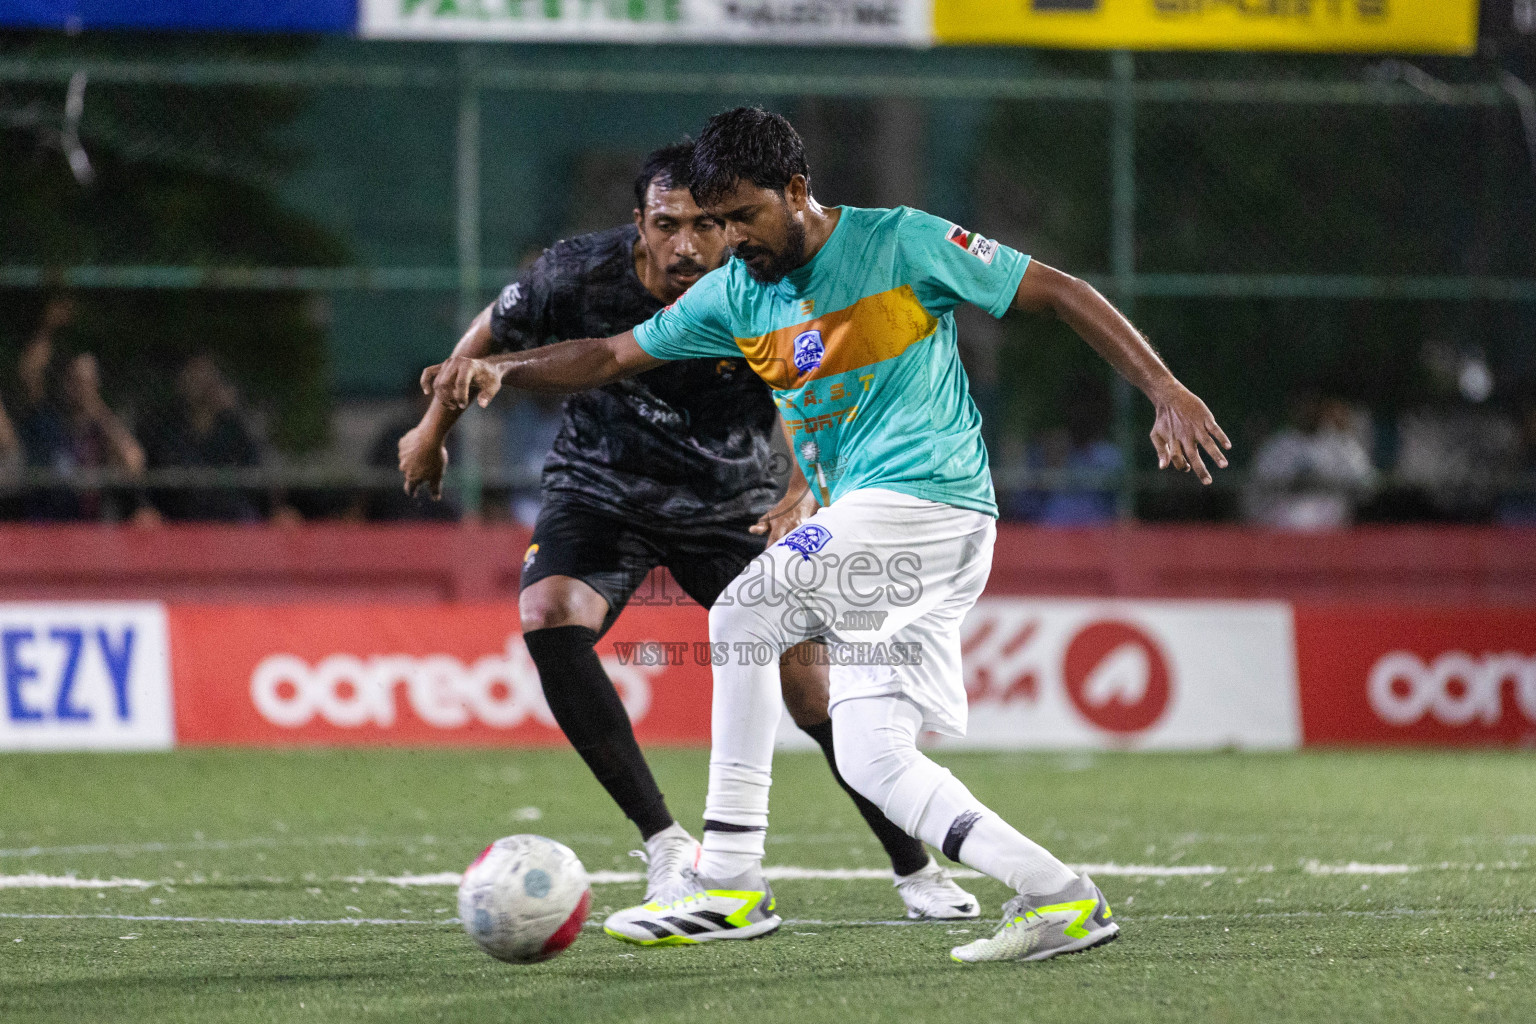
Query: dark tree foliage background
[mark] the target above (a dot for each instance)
(181, 176)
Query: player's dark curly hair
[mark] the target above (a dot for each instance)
(746, 144)
(668, 166)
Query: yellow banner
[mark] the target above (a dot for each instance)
(1421, 26)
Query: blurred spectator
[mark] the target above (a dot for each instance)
(1083, 452)
(1312, 474)
(204, 429)
(392, 504)
(1453, 450)
(530, 427)
(65, 425)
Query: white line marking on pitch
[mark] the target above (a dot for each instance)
(1354, 867)
(781, 873)
(356, 922)
(220, 920)
(70, 882)
(778, 873)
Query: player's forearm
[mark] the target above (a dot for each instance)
(438, 420)
(1080, 306)
(476, 343)
(564, 367)
(1115, 338)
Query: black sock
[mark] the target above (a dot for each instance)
(907, 854)
(587, 707)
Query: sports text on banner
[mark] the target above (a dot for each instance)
(1429, 26)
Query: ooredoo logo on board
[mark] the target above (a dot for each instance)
(1413, 675)
(1455, 688)
(400, 674)
(499, 690)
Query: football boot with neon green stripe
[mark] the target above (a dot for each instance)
(1038, 928)
(736, 908)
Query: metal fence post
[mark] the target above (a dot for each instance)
(467, 194)
(1122, 249)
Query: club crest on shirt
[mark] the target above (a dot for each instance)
(530, 555)
(807, 539)
(808, 351)
(982, 248)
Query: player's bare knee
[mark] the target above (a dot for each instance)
(804, 681)
(545, 614)
(551, 606)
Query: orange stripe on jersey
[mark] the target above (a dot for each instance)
(872, 330)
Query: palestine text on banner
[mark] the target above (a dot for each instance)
(883, 22)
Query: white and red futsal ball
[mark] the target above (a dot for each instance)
(524, 899)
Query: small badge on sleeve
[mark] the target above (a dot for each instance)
(982, 248)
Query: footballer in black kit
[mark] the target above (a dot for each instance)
(672, 467)
(669, 468)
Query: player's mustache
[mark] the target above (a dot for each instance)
(747, 252)
(687, 266)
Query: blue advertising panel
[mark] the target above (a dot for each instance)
(195, 15)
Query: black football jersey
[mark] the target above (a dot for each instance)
(688, 441)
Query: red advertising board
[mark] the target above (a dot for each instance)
(1039, 672)
(1410, 675)
(401, 674)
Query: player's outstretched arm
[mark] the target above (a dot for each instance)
(561, 368)
(422, 449)
(1184, 425)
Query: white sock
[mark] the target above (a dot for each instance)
(744, 717)
(729, 854)
(876, 741)
(672, 831)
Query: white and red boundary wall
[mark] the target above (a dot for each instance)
(1251, 641)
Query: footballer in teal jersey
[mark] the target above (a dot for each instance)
(847, 314)
(859, 346)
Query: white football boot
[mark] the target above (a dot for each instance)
(1038, 928)
(931, 895)
(668, 855)
(733, 908)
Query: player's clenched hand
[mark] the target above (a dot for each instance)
(423, 458)
(790, 511)
(461, 378)
(1184, 426)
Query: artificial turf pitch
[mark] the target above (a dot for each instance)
(1341, 887)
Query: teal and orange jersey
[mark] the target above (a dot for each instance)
(859, 348)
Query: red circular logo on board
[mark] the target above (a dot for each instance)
(1117, 677)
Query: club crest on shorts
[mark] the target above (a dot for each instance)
(808, 351)
(530, 555)
(807, 539)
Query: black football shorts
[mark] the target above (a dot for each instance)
(613, 555)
